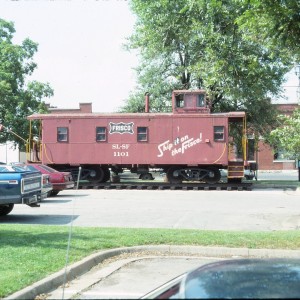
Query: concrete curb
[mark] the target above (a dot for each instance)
(275, 186)
(57, 279)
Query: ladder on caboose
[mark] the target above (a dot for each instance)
(235, 169)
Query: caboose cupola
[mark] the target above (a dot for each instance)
(185, 101)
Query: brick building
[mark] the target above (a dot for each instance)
(83, 108)
(266, 157)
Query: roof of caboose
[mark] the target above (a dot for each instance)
(238, 114)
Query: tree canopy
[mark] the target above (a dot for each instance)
(19, 97)
(275, 23)
(188, 44)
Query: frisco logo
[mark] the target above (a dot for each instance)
(121, 128)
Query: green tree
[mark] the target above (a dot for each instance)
(150, 81)
(198, 44)
(276, 22)
(19, 97)
(161, 35)
(287, 136)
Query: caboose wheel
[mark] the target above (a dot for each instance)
(106, 174)
(173, 175)
(213, 175)
(146, 176)
(96, 174)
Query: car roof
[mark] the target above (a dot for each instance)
(265, 278)
(245, 278)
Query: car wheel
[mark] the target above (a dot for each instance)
(5, 209)
(54, 193)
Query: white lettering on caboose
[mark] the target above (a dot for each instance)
(179, 146)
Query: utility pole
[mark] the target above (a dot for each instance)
(297, 71)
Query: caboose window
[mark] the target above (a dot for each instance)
(101, 134)
(142, 134)
(219, 133)
(62, 134)
(200, 100)
(179, 100)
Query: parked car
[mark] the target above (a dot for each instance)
(235, 279)
(249, 174)
(19, 186)
(59, 180)
(46, 184)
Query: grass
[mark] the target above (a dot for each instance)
(29, 253)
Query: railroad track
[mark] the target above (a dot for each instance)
(167, 186)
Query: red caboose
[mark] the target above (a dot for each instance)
(188, 144)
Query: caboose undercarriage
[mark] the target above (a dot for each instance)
(174, 173)
(209, 174)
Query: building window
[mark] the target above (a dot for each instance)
(142, 134)
(100, 134)
(281, 154)
(219, 133)
(62, 134)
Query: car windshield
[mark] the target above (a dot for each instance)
(12, 169)
(31, 168)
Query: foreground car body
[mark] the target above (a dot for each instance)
(46, 184)
(46, 187)
(238, 278)
(18, 186)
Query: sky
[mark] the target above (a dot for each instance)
(80, 50)
(291, 86)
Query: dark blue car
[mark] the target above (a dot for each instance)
(235, 279)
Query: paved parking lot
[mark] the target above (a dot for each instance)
(128, 278)
(267, 210)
